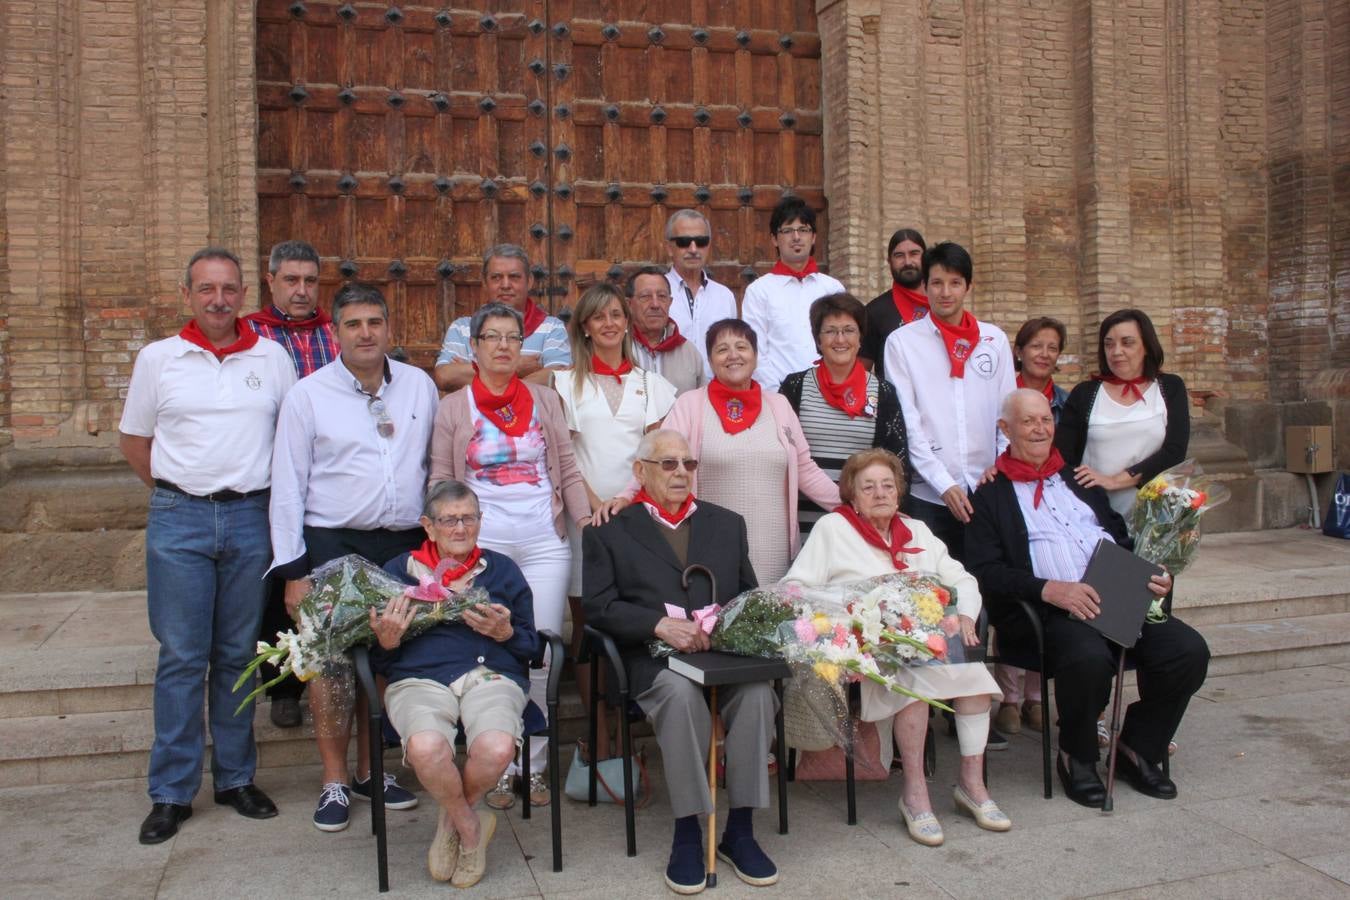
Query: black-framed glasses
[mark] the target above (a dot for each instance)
(683, 241)
(670, 464)
(492, 337)
(468, 521)
(790, 230)
(384, 423)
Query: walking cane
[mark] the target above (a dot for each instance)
(1107, 804)
(711, 863)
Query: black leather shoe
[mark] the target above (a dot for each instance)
(248, 801)
(286, 712)
(1145, 777)
(163, 821)
(1081, 782)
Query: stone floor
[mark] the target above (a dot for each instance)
(1263, 812)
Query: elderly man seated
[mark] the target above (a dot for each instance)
(631, 574)
(1030, 538)
(473, 673)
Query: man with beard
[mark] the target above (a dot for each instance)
(905, 302)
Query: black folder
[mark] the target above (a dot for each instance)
(1121, 580)
(713, 668)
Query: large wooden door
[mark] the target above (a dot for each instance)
(402, 140)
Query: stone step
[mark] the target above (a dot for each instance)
(1265, 645)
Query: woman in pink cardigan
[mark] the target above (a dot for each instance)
(752, 456)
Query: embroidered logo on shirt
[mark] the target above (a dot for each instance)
(253, 381)
(735, 410)
(961, 349)
(984, 363)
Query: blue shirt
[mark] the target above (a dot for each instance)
(549, 343)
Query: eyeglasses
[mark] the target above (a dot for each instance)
(468, 521)
(492, 337)
(670, 465)
(789, 231)
(684, 241)
(847, 331)
(384, 423)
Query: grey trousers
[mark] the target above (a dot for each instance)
(683, 725)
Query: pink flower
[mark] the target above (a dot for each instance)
(806, 631)
(938, 644)
(840, 636)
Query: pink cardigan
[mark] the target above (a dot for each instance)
(686, 417)
(454, 428)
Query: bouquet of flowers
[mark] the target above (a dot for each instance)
(1165, 521)
(335, 617)
(747, 625)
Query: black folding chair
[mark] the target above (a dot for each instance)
(366, 678)
(596, 643)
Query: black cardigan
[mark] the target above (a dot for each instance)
(889, 434)
(1071, 432)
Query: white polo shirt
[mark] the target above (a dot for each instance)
(211, 421)
(333, 469)
(952, 422)
(695, 307)
(778, 307)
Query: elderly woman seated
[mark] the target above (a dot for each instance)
(866, 537)
(473, 673)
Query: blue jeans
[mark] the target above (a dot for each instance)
(204, 564)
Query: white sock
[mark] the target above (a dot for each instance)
(972, 732)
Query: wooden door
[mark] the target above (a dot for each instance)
(402, 140)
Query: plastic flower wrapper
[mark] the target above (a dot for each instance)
(747, 625)
(334, 617)
(1165, 521)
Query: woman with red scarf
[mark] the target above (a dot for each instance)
(1131, 421)
(753, 457)
(509, 442)
(843, 407)
(866, 537)
(1036, 352)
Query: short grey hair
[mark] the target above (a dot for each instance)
(647, 446)
(494, 311)
(1009, 402)
(507, 251)
(212, 253)
(692, 214)
(447, 491)
(291, 251)
(358, 293)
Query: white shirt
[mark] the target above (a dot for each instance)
(1061, 533)
(1119, 436)
(606, 442)
(211, 421)
(695, 307)
(952, 422)
(332, 469)
(778, 307)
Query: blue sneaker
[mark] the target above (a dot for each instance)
(395, 795)
(751, 864)
(332, 812)
(685, 873)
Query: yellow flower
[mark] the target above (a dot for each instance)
(827, 670)
(822, 623)
(929, 610)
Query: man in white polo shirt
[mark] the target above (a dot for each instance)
(778, 305)
(697, 300)
(952, 373)
(197, 428)
(348, 476)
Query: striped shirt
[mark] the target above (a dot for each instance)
(549, 343)
(832, 436)
(1062, 533)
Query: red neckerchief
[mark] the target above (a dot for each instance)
(782, 268)
(900, 535)
(600, 367)
(1020, 470)
(277, 319)
(1131, 384)
(674, 519)
(429, 556)
(666, 344)
(960, 340)
(534, 317)
(910, 304)
(510, 411)
(850, 395)
(738, 410)
(245, 338)
(1048, 390)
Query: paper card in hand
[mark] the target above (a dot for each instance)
(1121, 581)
